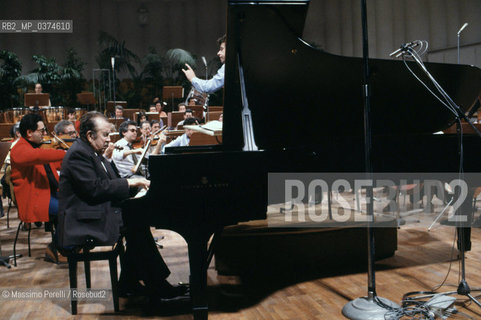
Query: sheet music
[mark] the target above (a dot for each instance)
(211, 128)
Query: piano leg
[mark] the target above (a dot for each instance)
(198, 277)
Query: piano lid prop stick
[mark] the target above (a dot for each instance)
(249, 141)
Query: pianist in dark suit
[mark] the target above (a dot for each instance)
(89, 210)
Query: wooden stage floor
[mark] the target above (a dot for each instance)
(420, 263)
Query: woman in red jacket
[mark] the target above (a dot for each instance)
(35, 175)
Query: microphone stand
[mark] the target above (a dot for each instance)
(459, 113)
(459, 35)
(462, 230)
(112, 60)
(371, 307)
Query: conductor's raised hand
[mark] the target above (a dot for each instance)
(189, 73)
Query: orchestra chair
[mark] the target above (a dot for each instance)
(85, 254)
(29, 229)
(23, 222)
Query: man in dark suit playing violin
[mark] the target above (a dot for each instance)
(90, 211)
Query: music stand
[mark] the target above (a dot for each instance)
(86, 98)
(110, 110)
(36, 99)
(172, 92)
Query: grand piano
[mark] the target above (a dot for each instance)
(307, 116)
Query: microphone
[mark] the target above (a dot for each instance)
(405, 47)
(462, 28)
(112, 62)
(204, 61)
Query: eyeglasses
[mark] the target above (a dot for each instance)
(72, 133)
(43, 130)
(132, 130)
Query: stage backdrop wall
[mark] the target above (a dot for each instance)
(194, 25)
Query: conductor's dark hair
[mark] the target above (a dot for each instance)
(125, 125)
(88, 123)
(222, 39)
(29, 122)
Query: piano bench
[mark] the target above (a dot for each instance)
(86, 255)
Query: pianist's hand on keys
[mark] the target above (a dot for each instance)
(139, 182)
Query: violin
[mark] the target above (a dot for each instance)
(63, 141)
(138, 143)
(154, 136)
(135, 169)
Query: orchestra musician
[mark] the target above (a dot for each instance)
(119, 113)
(126, 158)
(184, 139)
(181, 107)
(192, 101)
(141, 118)
(88, 185)
(35, 178)
(65, 127)
(159, 108)
(72, 116)
(217, 82)
(187, 114)
(145, 131)
(39, 89)
(156, 125)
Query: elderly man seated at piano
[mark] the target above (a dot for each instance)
(184, 139)
(90, 212)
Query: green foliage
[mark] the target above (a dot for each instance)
(49, 74)
(124, 58)
(61, 82)
(10, 70)
(157, 70)
(73, 81)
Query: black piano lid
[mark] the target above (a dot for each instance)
(299, 94)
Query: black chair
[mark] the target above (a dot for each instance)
(85, 254)
(29, 226)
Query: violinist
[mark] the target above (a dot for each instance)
(35, 178)
(156, 125)
(126, 158)
(145, 131)
(65, 128)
